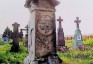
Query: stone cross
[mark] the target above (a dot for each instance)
(15, 35)
(61, 41)
(77, 35)
(77, 21)
(15, 27)
(60, 20)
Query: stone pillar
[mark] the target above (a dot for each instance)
(77, 35)
(41, 32)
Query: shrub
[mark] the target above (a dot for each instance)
(12, 57)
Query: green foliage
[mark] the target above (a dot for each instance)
(88, 41)
(1, 42)
(11, 57)
(76, 56)
(69, 43)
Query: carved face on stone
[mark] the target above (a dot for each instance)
(45, 25)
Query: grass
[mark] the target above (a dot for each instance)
(76, 56)
(7, 57)
(72, 56)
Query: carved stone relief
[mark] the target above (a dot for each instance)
(44, 33)
(45, 25)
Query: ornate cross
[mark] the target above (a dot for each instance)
(60, 20)
(77, 20)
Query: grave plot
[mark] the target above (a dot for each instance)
(81, 52)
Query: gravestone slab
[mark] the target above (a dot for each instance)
(41, 31)
(77, 35)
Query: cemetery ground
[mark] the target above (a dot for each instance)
(78, 56)
(71, 56)
(7, 57)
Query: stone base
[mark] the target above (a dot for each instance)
(28, 60)
(77, 44)
(51, 59)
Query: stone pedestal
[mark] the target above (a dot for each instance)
(41, 31)
(77, 35)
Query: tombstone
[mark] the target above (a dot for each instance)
(15, 36)
(41, 32)
(77, 35)
(61, 41)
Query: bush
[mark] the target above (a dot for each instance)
(2, 42)
(88, 41)
(11, 57)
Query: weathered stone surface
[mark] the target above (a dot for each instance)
(41, 32)
(45, 30)
(41, 2)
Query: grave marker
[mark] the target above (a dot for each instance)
(41, 32)
(77, 35)
(15, 36)
(61, 41)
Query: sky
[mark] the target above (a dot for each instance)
(14, 11)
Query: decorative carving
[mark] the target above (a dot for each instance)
(45, 25)
(44, 44)
(44, 33)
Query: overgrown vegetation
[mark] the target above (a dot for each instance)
(71, 56)
(1, 42)
(7, 57)
(88, 41)
(77, 56)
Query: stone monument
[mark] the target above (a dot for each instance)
(42, 32)
(61, 41)
(77, 35)
(15, 36)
